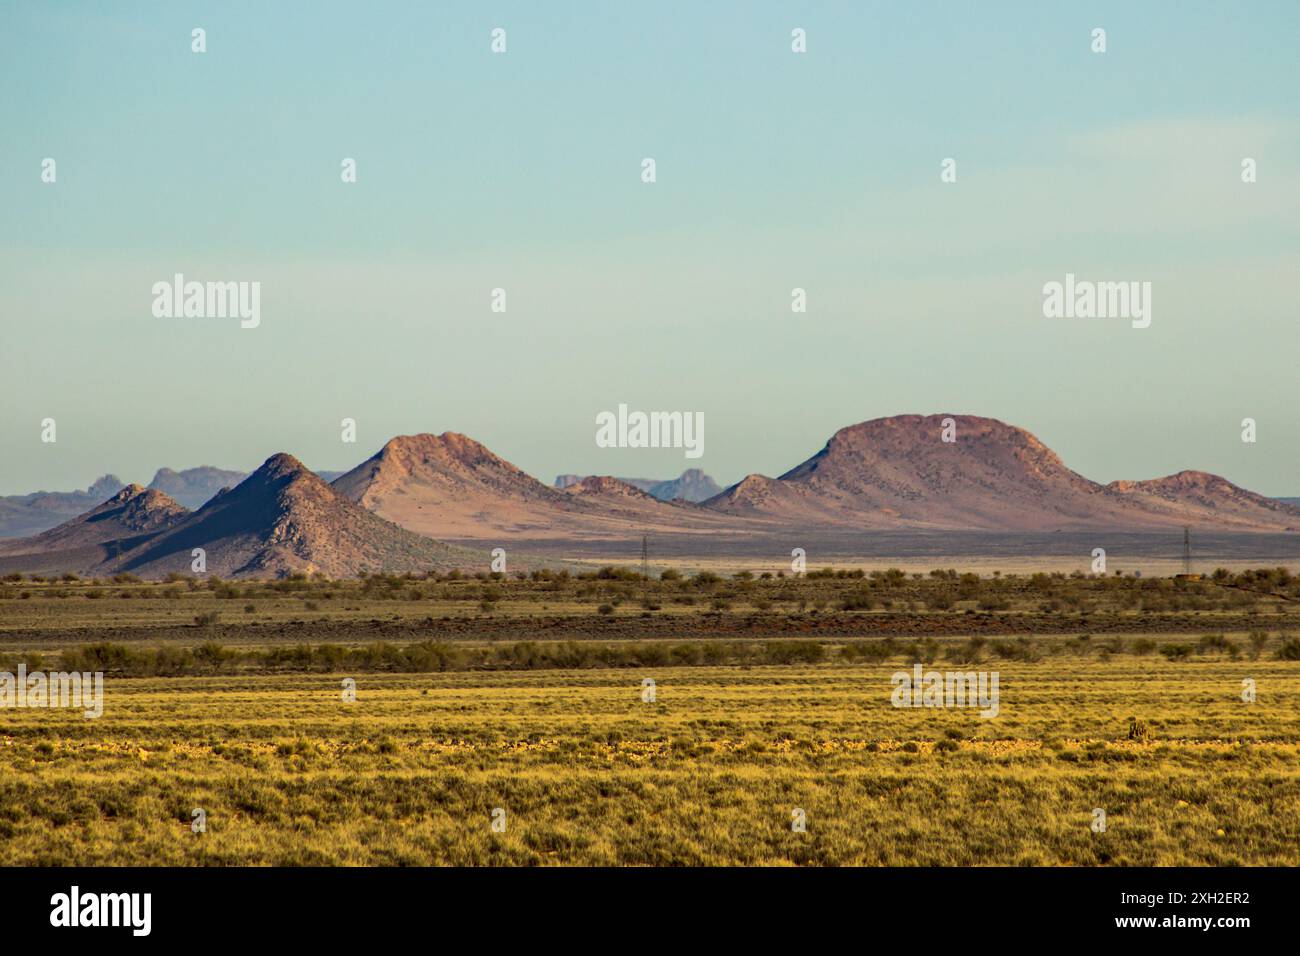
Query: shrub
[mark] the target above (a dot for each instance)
(874, 651)
(960, 654)
(1290, 649)
(940, 602)
(859, 600)
(213, 655)
(1138, 730)
(1217, 642)
(792, 652)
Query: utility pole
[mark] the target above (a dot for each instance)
(645, 571)
(1187, 551)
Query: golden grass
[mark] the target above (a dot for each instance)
(587, 773)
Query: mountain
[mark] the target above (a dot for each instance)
(1201, 492)
(132, 512)
(889, 474)
(23, 515)
(130, 518)
(451, 487)
(692, 485)
(26, 515)
(605, 488)
(898, 472)
(193, 487)
(281, 519)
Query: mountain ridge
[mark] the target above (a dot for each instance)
(900, 472)
(280, 520)
(420, 499)
(452, 487)
(194, 487)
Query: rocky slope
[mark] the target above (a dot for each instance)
(898, 472)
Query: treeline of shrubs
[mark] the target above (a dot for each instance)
(432, 656)
(422, 657)
(975, 649)
(848, 590)
(1256, 579)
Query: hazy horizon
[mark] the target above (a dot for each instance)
(521, 171)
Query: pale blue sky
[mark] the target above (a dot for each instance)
(521, 171)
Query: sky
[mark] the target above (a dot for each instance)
(522, 171)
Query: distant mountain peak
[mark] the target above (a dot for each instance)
(692, 485)
(105, 486)
(194, 487)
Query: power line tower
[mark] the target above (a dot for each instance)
(1187, 551)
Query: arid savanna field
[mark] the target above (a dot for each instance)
(524, 703)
